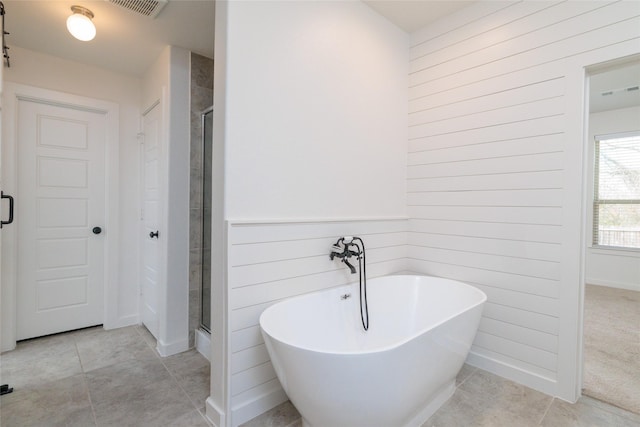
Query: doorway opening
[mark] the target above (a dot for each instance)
(611, 352)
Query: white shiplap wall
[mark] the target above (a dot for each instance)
(492, 125)
(268, 262)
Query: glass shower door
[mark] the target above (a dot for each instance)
(207, 156)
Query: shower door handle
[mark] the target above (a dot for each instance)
(10, 220)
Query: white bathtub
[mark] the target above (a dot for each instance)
(398, 373)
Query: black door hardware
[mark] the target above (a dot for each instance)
(97, 230)
(154, 234)
(10, 220)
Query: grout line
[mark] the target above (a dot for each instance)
(546, 411)
(475, 369)
(86, 383)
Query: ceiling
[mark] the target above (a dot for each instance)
(609, 90)
(411, 15)
(126, 42)
(129, 43)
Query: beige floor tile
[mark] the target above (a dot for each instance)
(282, 415)
(464, 374)
(63, 402)
(136, 393)
(192, 371)
(40, 361)
(485, 399)
(192, 419)
(147, 336)
(105, 348)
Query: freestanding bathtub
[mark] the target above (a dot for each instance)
(398, 373)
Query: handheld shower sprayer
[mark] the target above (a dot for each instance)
(344, 248)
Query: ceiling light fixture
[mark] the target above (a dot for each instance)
(80, 24)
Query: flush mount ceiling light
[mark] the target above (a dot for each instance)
(80, 24)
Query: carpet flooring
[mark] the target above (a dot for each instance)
(612, 346)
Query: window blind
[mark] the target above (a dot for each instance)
(616, 198)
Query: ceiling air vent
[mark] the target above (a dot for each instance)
(149, 8)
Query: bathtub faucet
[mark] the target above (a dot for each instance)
(341, 249)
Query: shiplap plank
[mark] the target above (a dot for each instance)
(529, 58)
(526, 353)
(481, 18)
(246, 338)
(252, 377)
(539, 144)
(253, 274)
(531, 48)
(505, 97)
(520, 334)
(245, 317)
(551, 106)
(240, 233)
(521, 180)
(540, 304)
(254, 393)
(533, 127)
(531, 17)
(506, 231)
(507, 215)
(525, 287)
(263, 252)
(496, 263)
(278, 289)
(507, 164)
(421, 99)
(530, 250)
(249, 358)
(525, 197)
(524, 318)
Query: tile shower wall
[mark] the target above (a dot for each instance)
(201, 99)
(268, 262)
(491, 121)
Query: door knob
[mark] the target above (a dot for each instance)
(154, 234)
(97, 230)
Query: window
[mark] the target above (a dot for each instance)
(616, 198)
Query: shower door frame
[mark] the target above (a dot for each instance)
(205, 304)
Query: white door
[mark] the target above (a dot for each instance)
(61, 188)
(151, 247)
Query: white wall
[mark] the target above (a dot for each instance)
(616, 268)
(316, 107)
(495, 170)
(48, 72)
(310, 106)
(167, 82)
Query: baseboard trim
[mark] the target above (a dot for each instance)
(170, 349)
(203, 343)
(122, 322)
(214, 414)
(529, 379)
(251, 409)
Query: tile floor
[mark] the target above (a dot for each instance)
(115, 378)
(484, 399)
(94, 377)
